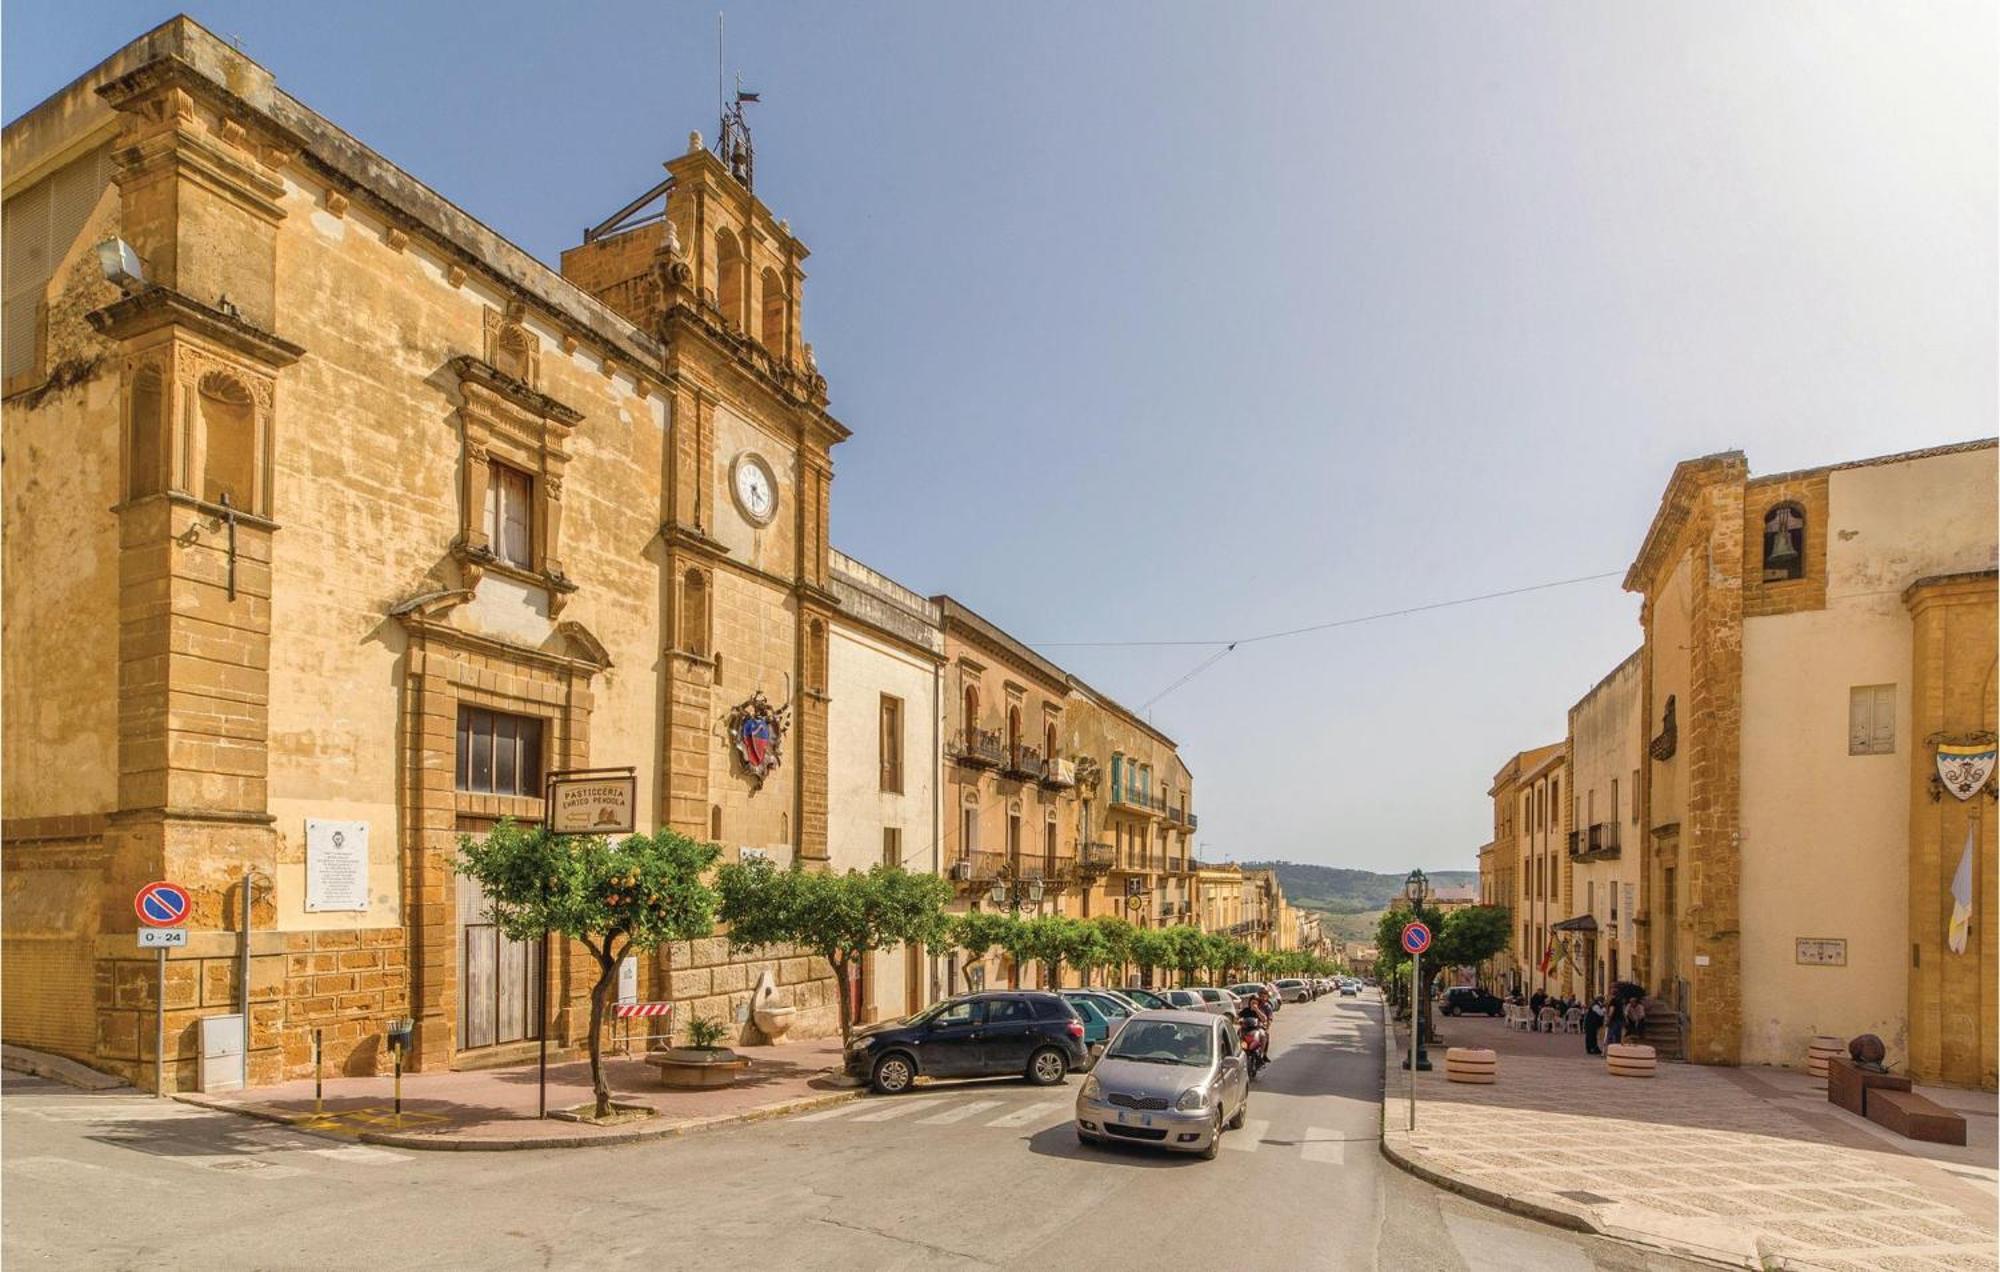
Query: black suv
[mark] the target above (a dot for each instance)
(1038, 1036)
(1464, 1000)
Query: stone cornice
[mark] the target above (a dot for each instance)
(1969, 587)
(504, 386)
(156, 307)
(426, 621)
(1676, 506)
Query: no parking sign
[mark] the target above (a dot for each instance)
(1416, 937)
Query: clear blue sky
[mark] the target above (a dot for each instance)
(1191, 321)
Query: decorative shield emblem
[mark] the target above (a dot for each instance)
(1965, 767)
(758, 730)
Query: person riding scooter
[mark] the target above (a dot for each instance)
(1253, 1028)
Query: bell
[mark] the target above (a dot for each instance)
(1781, 548)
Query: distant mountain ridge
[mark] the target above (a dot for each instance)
(1337, 890)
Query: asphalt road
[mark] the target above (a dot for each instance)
(967, 1175)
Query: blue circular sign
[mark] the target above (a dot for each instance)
(1416, 937)
(161, 904)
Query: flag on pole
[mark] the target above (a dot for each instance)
(1961, 894)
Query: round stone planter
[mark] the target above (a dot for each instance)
(697, 1069)
(1823, 1048)
(1477, 1065)
(1631, 1060)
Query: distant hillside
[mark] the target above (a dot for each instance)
(1353, 900)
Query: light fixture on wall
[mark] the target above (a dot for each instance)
(121, 265)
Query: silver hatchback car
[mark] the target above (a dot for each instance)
(1170, 1079)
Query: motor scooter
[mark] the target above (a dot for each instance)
(1256, 1043)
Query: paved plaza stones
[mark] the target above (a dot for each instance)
(1751, 1167)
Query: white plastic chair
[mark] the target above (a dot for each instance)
(1548, 1020)
(1573, 1020)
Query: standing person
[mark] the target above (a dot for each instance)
(1535, 1001)
(1635, 1016)
(1593, 1020)
(1615, 1020)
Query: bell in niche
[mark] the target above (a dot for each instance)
(1781, 546)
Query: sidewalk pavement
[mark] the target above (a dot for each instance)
(494, 1109)
(1750, 1167)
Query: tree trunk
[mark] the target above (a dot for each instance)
(839, 965)
(607, 981)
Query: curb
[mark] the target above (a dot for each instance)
(61, 1069)
(1564, 1219)
(1555, 1217)
(436, 1143)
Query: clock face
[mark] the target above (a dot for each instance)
(756, 490)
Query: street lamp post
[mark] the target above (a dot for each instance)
(1417, 887)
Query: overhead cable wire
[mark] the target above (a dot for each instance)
(1228, 646)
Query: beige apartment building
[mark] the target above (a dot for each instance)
(1010, 786)
(885, 745)
(1602, 845)
(1527, 865)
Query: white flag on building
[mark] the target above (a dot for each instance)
(1961, 894)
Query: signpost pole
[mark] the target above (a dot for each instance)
(542, 1059)
(1416, 1029)
(160, 1030)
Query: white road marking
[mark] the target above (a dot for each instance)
(958, 1113)
(134, 1112)
(898, 1108)
(360, 1154)
(1322, 1145)
(1032, 1113)
(827, 1115)
(1249, 1138)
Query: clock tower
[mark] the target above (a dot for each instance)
(701, 263)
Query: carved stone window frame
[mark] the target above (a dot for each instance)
(506, 419)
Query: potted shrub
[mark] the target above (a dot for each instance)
(704, 1062)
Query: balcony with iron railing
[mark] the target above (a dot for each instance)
(978, 748)
(1096, 859)
(1023, 763)
(1058, 774)
(977, 869)
(1597, 843)
(1060, 869)
(1124, 795)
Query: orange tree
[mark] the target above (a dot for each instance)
(613, 899)
(840, 917)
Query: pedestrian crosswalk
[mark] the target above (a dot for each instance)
(970, 1111)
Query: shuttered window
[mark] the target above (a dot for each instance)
(41, 223)
(1871, 720)
(892, 744)
(510, 515)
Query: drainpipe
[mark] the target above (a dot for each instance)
(243, 981)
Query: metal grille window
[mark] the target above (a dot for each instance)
(40, 225)
(499, 753)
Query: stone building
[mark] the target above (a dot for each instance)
(1524, 868)
(1010, 785)
(1605, 750)
(1811, 638)
(1138, 811)
(352, 515)
(885, 742)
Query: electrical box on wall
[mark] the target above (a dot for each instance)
(222, 1053)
